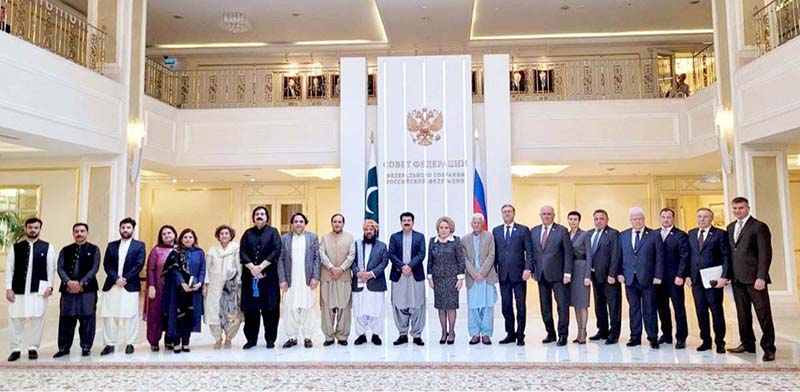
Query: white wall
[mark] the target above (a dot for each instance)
(51, 97)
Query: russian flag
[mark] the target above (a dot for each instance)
(478, 190)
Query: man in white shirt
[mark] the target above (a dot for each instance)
(119, 302)
(30, 274)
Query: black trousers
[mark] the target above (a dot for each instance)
(548, 290)
(509, 292)
(66, 331)
(607, 306)
(668, 292)
(252, 324)
(705, 301)
(746, 298)
(642, 308)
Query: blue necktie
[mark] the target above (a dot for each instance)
(508, 235)
(636, 241)
(255, 288)
(595, 241)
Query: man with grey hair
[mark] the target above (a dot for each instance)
(642, 270)
(481, 278)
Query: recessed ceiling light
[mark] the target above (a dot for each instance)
(564, 7)
(426, 18)
(694, 1)
(252, 179)
(174, 181)
(295, 14)
(178, 17)
(191, 180)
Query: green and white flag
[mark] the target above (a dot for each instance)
(371, 192)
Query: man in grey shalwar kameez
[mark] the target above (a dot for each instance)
(406, 253)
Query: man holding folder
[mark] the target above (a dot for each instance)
(709, 268)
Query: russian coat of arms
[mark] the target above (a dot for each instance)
(424, 125)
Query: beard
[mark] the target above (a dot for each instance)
(369, 240)
(125, 235)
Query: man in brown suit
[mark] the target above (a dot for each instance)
(336, 252)
(751, 253)
(481, 279)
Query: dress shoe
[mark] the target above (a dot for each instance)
(129, 349)
(475, 340)
(634, 342)
(86, 352)
(402, 339)
(598, 336)
(549, 339)
(307, 343)
(176, 349)
(520, 342)
(107, 350)
(186, 349)
(508, 339)
(270, 345)
(443, 340)
(361, 339)
(768, 356)
(562, 341)
(721, 349)
(13, 356)
(705, 347)
(486, 340)
(680, 345)
(654, 344)
(419, 342)
(328, 343)
(611, 341)
(154, 349)
(168, 346)
(290, 343)
(342, 342)
(248, 345)
(376, 340)
(742, 349)
(33, 355)
(665, 340)
(451, 338)
(61, 353)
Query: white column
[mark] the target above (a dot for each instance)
(497, 134)
(353, 138)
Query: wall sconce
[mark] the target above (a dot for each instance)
(724, 122)
(136, 134)
(136, 138)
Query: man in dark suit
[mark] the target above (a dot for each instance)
(675, 255)
(406, 253)
(606, 265)
(709, 248)
(642, 270)
(123, 261)
(751, 254)
(514, 262)
(552, 266)
(369, 284)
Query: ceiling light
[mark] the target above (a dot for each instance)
(295, 14)
(213, 45)
(325, 173)
(252, 179)
(177, 17)
(235, 22)
(640, 33)
(191, 180)
(529, 170)
(174, 180)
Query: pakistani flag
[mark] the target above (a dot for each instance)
(371, 193)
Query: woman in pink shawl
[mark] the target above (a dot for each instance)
(155, 286)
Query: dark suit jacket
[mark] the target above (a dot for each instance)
(417, 256)
(378, 260)
(715, 252)
(645, 261)
(555, 259)
(607, 259)
(751, 256)
(134, 262)
(675, 254)
(517, 256)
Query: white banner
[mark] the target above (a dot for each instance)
(425, 141)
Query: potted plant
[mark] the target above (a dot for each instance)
(14, 228)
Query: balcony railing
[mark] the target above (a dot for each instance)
(776, 23)
(48, 26)
(594, 79)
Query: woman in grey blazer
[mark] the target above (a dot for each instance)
(446, 270)
(581, 273)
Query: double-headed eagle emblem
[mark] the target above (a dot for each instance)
(424, 125)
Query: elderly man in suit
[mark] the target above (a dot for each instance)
(675, 248)
(606, 265)
(481, 278)
(406, 253)
(642, 271)
(514, 262)
(709, 249)
(552, 264)
(751, 252)
(369, 284)
(123, 261)
(298, 274)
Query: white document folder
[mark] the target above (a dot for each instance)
(709, 274)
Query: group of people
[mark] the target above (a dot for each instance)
(265, 273)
